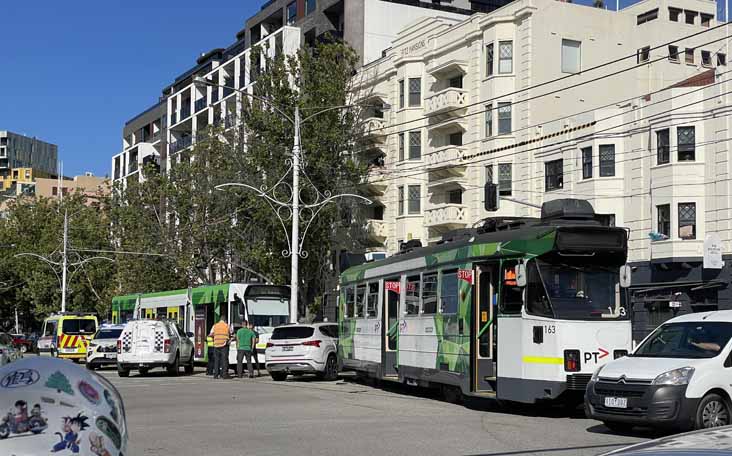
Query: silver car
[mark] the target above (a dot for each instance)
(8, 351)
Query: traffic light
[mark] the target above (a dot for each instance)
(490, 197)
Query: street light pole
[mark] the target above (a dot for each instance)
(294, 250)
(64, 261)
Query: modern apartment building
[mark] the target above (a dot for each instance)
(524, 97)
(19, 151)
(142, 144)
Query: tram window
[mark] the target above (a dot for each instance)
(429, 293)
(411, 299)
(511, 294)
(449, 293)
(360, 300)
(537, 302)
(372, 300)
(350, 301)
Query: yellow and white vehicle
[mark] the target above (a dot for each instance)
(67, 335)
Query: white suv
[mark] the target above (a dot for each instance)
(102, 348)
(302, 348)
(146, 344)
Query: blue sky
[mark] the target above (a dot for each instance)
(72, 72)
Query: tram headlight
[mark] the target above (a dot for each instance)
(596, 374)
(572, 361)
(675, 377)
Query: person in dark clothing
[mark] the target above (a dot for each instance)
(254, 348)
(210, 356)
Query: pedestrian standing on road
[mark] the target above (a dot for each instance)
(245, 341)
(221, 334)
(210, 355)
(254, 347)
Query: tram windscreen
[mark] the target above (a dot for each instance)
(575, 292)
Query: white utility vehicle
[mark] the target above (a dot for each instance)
(301, 349)
(102, 350)
(679, 377)
(146, 344)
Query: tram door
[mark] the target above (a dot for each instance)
(390, 326)
(483, 329)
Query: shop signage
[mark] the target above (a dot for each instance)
(713, 252)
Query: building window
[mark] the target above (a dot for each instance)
(401, 147)
(489, 60)
(673, 14)
(54, 191)
(607, 160)
(414, 199)
(455, 139)
(648, 16)
(706, 20)
(606, 219)
(505, 57)
(644, 54)
(455, 197)
(488, 121)
(689, 56)
(587, 163)
(687, 220)
(309, 6)
(554, 175)
(686, 142)
(401, 201)
(571, 56)
(401, 94)
(504, 179)
(673, 53)
(721, 59)
(663, 214)
(456, 82)
(689, 17)
(488, 174)
(504, 118)
(291, 12)
(706, 58)
(662, 147)
(415, 145)
(415, 91)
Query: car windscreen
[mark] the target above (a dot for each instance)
(292, 332)
(108, 334)
(686, 340)
(50, 329)
(79, 326)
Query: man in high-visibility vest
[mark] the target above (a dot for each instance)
(210, 355)
(221, 334)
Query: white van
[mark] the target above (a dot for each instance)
(679, 377)
(146, 344)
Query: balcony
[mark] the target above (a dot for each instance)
(452, 100)
(446, 182)
(375, 129)
(173, 118)
(375, 183)
(378, 230)
(446, 157)
(200, 104)
(447, 216)
(185, 113)
(181, 144)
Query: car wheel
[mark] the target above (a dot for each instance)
(278, 376)
(89, 366)
(189, 366)
(4, 431)
(713, 411)
(174, 369)
(23, 349)
(144, 371)
(331, 368)
(618, 427)
(122, 371)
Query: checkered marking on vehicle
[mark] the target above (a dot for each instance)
(159, 337)
(126, 341)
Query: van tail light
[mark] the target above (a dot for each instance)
(166, 346)
(572, 361)
(312, 343)
(270, 344)
(619, 353)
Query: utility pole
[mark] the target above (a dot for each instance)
(64, 260)
(294, 248)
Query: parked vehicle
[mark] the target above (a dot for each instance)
(147, 344)
(679, 377)
(103, 347)
(302, 348)
(66, 335)
(34, 423)
(23, 342)
(8, 351)
(715, 441)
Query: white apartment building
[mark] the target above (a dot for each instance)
(142, 144)
(524, 97)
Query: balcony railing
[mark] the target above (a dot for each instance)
(201, 104)
(185, 113)
(445, 157)
(132, 166)
(181, 144)
(173, 118)
(375, 129)
(214, 95)
(447, 215)
(450, 99)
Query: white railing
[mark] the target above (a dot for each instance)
(445, 156)
(446, 100)
(377, 228)
(374, 127)
(446, 214)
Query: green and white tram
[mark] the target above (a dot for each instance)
(521, 309)
(198, 309)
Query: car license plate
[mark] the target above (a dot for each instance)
(286, 349)
(110, 355)
(616, 402)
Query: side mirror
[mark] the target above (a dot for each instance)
(625, 273)
(521, 275)
(190, 334)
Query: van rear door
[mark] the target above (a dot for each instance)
(144, 337)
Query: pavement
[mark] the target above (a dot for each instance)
(195, 414)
